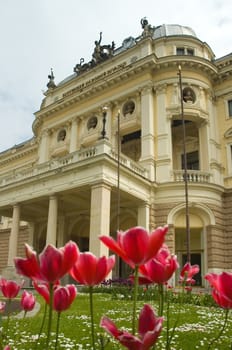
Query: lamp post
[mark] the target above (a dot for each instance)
(103, 133)
(185, 169)
(118, 174)
(118, 187)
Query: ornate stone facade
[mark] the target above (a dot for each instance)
(107, 152)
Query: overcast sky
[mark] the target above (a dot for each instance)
(37, 35)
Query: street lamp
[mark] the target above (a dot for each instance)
(104, 112)
(185, 169)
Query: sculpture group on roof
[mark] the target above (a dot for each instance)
(103, 52)
(100, 54)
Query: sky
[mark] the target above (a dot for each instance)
(37, 35)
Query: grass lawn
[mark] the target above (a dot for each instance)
(196, 325)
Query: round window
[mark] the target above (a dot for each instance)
(128, 108)
(92, 123)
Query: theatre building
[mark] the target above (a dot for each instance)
(118, 143)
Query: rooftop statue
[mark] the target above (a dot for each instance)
(148, 30)
(100, 54)
(51, 84)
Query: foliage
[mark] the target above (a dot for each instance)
(196, 327)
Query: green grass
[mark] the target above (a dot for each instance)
(196, 325)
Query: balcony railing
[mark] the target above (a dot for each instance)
(22, 173)
(192, 176)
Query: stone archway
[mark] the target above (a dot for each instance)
(79, 233)
(128, 219)
(200, 217)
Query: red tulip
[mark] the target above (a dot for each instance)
(27, 301)
(43, 289)
(51, 265)
(10, 289)
(90, 270)
(187, 272)
(221, 288)
(136, 246)
(7, 347)
(63, 297)
(161, 268)
(149, 329)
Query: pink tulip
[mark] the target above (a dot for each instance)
(90, 270)
(27, 301)
(10, 289)
(7, 347)
(63, 297)
(221, 285)
(161, 268)
(136, 246)
(149, 329)
(187, 273)
(51, 265)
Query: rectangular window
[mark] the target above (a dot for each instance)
(230, 108)
(192, 160)
(180, 51)
(190, 52)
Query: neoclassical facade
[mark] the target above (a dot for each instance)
(108, 152)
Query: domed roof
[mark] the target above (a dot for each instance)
(171, 30)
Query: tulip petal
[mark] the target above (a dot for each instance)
(110, 327)
(114, 246)
(156, 240)
(70, 256)
(135, 244)
(225, 281)
(51, 260)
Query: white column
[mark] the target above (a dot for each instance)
(13, 241)
(73, 136)
(61, 231)
(43, 147)
(164, 137)
(99, 218)
(144, 216)
(213, 140)
(52, 220)
(147, 132)
(31, 229)
(108, 122)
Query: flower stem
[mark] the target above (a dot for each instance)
(8, 317)
(91, 315)
(57, 328)
(50, 315)
(221, 331)
(42, 325)
(161, 299)
(135, 298)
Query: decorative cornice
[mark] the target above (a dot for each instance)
(14, 154)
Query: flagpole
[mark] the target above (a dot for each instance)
(185, 170)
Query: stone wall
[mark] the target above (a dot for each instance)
(4, 239)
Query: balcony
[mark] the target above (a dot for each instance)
(192, 176)
(56, 164)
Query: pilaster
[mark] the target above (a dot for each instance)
(147, 130)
